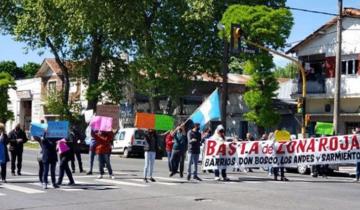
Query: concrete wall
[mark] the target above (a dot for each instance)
(327, 43)
(37, 111)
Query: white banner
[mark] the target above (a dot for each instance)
(312, 151)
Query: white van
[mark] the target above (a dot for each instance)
(128, 141)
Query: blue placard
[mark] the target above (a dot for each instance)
(57, 129)
(37, 129)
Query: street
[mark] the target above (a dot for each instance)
(128, 191)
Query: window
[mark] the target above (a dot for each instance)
(52, 86)
(349, 67)
(122, 136)
(139, 134)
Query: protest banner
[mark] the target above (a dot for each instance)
(112, 111)
(312, 151)
(154, 121)
(57, 129)
(37, 129)
(101, 123)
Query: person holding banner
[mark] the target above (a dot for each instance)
(17, 138)
(49, 159)
(65, 155)
(4, 156)
(75, 143)
(280, 136)
(103, 150)
(179, 151)
(150, 149)
(194, 137)
(219, 136)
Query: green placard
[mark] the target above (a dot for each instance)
(324, 128)
(164, 122)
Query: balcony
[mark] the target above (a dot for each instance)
(312, 86)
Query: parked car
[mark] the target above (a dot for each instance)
(131, 141)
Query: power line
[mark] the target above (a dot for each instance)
(307, 10)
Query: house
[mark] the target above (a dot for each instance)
(28, 100)
(317, 54)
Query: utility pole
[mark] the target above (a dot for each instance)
(338, 70)
(225, 70)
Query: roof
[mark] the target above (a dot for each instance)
(54, 66)
(347, 12)
(233, 78)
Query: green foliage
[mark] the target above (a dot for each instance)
(30, 69)
(289, 71)
(268, 27)
(55, 105)
(6, 82)
(11, 68)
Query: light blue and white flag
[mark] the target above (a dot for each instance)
(208, 110)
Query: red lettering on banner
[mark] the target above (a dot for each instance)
(254, 148)
(210, 147)
(301, 146)
(222, 149)
(232, 147)
(322, 144)
(268, 149)
(346, 144)
(243, 147)
(311, 146)
(354, 143)
(280, 150)
(291, 147)
(334, 143)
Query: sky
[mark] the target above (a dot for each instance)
(304, 24)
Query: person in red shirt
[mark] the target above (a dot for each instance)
(169, 142)
(103, 150)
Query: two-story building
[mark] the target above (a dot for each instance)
(317, 54)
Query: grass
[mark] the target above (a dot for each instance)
(32, 145)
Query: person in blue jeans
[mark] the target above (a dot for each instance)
(194, 138)
(150, 149)
(91, 154)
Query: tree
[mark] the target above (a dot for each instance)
(6, 82)
(289, 71)
(12, 68)
(72, 30)
(30, 69)
(269, 27)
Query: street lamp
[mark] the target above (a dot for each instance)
(225, 70)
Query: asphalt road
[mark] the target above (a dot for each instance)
(246, 190)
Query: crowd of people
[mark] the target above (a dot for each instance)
(179, 144)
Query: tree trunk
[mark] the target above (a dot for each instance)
(65, 72)
(94, 71)
(154, 104)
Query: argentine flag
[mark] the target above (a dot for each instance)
(208, 110)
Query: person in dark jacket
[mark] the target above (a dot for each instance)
(17, 138)
(150, 149)
(49, 159)
(64, 153)
(4, 142)
(179, 151)
(194, 138)
(75, 145)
